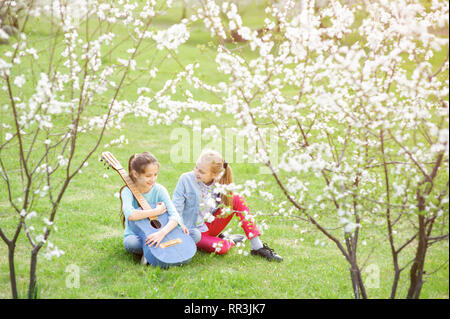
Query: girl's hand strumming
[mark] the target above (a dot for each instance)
(155, 239)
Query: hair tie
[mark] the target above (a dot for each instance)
(225, 165)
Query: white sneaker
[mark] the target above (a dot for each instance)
(143, 260)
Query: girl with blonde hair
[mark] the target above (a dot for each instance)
(195, 199)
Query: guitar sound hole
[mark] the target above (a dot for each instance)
(155, 223)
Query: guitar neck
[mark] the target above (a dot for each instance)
(129, 182)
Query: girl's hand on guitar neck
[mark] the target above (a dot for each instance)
(141, 214)
(161, 207)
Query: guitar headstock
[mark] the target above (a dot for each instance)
(111, 161)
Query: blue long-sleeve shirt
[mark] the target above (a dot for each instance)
(158, 193)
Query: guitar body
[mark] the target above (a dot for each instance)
(175, 249)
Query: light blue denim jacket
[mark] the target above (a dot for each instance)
(186, 198)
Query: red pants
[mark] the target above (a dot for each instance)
(211, 243)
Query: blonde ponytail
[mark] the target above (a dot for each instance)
(227, 178)
(219, 167)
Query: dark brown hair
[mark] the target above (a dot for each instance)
(137, 163)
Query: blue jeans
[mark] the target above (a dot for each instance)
(133, 244)
(195, 234)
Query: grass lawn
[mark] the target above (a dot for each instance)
(90, 233)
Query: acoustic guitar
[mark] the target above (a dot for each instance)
(176, 248)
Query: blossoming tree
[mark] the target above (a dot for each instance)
(63, 88)
(360, 109)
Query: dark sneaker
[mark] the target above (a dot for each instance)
(267, 253)
(236, 238)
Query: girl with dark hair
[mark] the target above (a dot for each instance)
(195, 199)
(143, 169)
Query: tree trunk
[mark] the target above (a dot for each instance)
(12, 270)
(355, 282)
(416, 272)
(355, 273)
(33, 265)
(395, 283)
(361, 284)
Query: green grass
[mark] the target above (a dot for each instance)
(91, 234)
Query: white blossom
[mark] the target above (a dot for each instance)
(19, 81)
(173, 37)
(8, 136)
